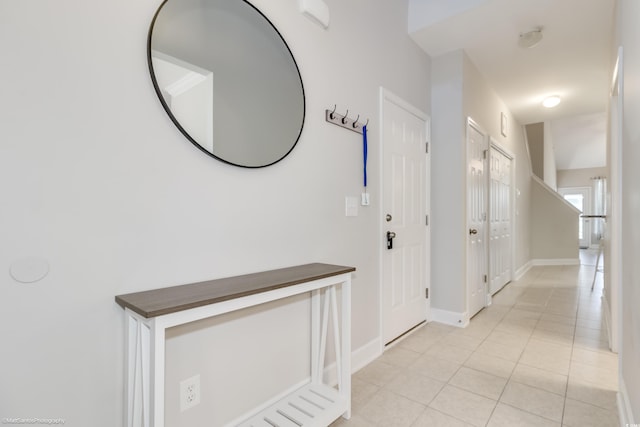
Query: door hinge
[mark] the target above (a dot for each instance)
(427, 220)
(485, 278)
(427, 145)
(484, 154)
(426, 293)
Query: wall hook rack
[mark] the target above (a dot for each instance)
(344, 120)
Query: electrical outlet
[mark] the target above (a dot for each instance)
(189, 392)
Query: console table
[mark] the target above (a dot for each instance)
(149, 314)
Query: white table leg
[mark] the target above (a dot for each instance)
(137, 368)
(156, 365)
(316, 370)
(345, 389)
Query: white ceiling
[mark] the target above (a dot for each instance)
(573, 59)
(579, 141)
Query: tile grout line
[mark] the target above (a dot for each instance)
(511, 375)
(573, 342)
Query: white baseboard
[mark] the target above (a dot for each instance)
(556, 261)
(366, 354)
(460, 320)
(523, 270)
(360, 358)
(624, 405)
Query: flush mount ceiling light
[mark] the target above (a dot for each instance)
(551, 101)
(531, 38)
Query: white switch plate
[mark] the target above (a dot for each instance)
(351, 206)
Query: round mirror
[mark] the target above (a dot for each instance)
(227, 79)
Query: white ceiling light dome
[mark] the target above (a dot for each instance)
(551, 101)
(531, 38)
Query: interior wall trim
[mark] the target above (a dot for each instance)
(459, 320)
(360, 358)
(624, 405)
(555, 261)
(522, 270)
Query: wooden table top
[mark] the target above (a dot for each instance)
(158, 302)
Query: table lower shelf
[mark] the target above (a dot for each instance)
(314, 405)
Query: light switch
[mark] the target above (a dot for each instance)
(351, 206)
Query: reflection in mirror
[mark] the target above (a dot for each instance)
(227, 79)
(188, 92)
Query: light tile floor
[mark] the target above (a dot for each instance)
(538, 356)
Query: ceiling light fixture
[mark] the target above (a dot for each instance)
(531, 38)
(551, 101)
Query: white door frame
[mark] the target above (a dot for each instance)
(616, 106)
(493, 143)
(388, 95)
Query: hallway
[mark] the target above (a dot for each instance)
(538, 356)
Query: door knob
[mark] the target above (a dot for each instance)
(390, 236)
(473, 231)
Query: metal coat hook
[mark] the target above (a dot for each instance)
(343, 120)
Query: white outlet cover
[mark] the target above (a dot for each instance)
(189, 392)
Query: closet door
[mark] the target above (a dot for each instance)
(500, 220)
(476, 230)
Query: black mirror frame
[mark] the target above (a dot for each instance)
(177, 123)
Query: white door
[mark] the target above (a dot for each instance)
(500, 222)
(580, 197)
(405, 234)
(477, 147)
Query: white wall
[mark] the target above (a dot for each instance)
(628, 36)
(579, 177)
(550, 172)
(484, 105)
(459, 91)
(535, 139)
(448, 184)
(554, 225)
(543, 155)
(96, 179)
